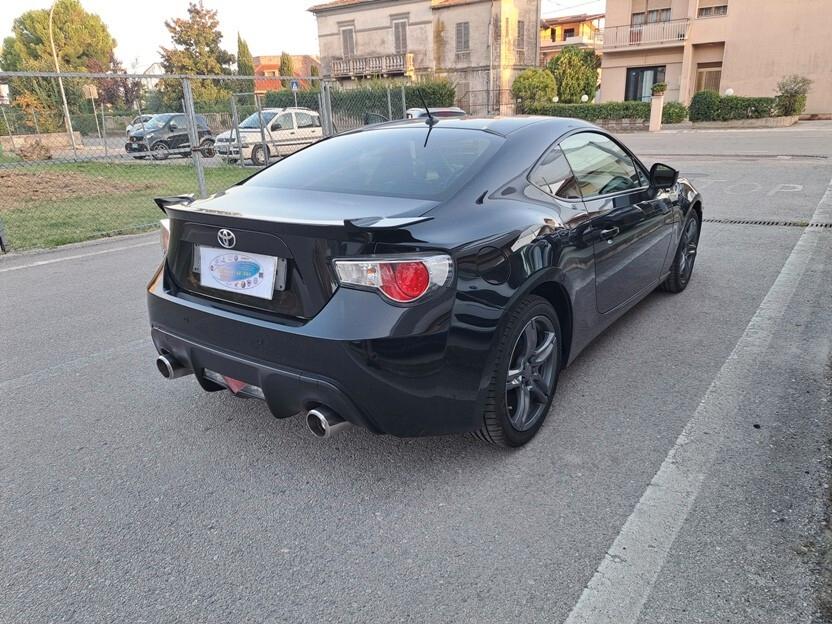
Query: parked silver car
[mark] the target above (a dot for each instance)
(285, 131)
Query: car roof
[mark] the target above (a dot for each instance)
(502, 126)
(289, 109)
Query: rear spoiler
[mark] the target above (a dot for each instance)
(382, 223)
(174, 200)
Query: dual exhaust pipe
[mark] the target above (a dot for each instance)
(321, 420)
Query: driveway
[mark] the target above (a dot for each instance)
(680, 477)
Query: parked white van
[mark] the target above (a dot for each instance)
(286, 130)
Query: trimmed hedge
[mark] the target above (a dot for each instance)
(704, 106)
(372, 98)
(709, 106)
(674, 112)
(595, 112)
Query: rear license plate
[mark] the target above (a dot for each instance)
(241, 272)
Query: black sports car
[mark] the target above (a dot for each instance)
(419, 277)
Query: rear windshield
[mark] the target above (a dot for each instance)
(393, 162)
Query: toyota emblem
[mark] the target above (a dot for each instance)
(226, 238)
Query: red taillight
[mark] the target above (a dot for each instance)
(400, 278)
(404, 281)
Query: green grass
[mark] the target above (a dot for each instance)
(53, 204)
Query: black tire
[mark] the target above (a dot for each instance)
(682, 268)
(258, 155)
(206, 148)
(501, 412)
(159, 151)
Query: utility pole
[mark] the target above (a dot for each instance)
(67, 120)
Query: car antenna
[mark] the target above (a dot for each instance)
(431, 120)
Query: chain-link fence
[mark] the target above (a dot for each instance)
(136, 137)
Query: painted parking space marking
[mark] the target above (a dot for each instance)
(75, 257)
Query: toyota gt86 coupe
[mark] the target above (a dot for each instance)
(419, 277)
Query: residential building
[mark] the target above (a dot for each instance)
(743, 45)
(583, 31)
(303, 66)
(480, 45)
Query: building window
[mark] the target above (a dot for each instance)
(708, 77)
(400, 36)
(521, 35)
(463, 31)
(348, 42)
(713, 11)
(568, 33)
(640, 81)
(637, 19)
(658, 15)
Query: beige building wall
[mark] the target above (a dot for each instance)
(758, 42)
(496, 53)
(373, 31)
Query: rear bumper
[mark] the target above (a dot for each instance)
(405, 385)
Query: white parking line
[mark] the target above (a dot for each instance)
(75, 257)
(618, 590)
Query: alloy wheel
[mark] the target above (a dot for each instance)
(688, 248)
(531, 373)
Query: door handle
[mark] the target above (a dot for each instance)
(609, 233)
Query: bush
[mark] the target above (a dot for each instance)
(534, 86)
(704, 106)
(709, 106)
(659, 88)
(791, 94)
(576, 73)
(736, 107)
(674, 112)
(595, 112)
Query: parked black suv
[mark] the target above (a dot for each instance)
(166, 134)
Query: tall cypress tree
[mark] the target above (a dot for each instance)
(245, 66)
(286, 68)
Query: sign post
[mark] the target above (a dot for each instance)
(294, 84)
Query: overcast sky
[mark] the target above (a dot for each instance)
(269, 27)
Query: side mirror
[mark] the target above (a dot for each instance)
(173, 125)
(663, 176)
(276, 126)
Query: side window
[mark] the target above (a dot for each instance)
(304, 120)
(600, 165)
(180, 121)
(283, 122)
(553, 175)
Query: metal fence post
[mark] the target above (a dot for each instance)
(328, 105)
(389, 105)
(404, 104)
(235, 121)
(262, 133)
(193, 135)
(103, 131)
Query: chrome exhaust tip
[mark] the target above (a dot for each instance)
(324, 423)
(170, 368)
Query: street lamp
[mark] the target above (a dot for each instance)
(67, 120)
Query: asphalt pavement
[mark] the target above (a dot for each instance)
(681, 476)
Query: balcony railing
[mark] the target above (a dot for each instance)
(593, 41)
(646, 35)
(373, 65)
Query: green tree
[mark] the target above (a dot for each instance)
(313, 70)
(791, 94)
(286, 68)
(196, 50)
(245, 67)
(576, 73)
(534, 86)
(82, 43)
